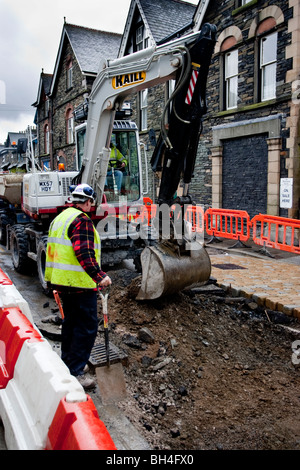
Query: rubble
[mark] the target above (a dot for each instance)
(217, 373)
(205, 370)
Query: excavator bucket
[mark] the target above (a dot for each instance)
(165, 272)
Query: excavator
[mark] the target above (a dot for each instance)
(174, 263)
(173, 259)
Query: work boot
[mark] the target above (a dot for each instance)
(87, 382)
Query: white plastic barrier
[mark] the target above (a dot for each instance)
(11, 297)
(42, 406)
(29, 402)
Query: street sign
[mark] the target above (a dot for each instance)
(286, 193)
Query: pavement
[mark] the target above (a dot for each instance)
(270, 277)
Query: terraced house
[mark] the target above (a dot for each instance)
(77, 64)
(249, 144)
(250, 140)
(253, 107)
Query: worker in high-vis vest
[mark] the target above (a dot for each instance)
(73, 269)
(116, 166)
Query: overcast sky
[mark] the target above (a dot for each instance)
(30, 32)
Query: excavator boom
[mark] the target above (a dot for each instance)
(167, 266)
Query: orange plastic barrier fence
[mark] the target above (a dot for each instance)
(76, 426)
(276, 232)
(148, 211)
(226, 223)
(195, 215)
(15, 328)
(147, 201)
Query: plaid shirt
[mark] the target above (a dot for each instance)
(81, 234)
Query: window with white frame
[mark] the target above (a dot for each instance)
(47, 138)
(70, 127)
(171, 87)
(231, 79)
(139, 38)
(268, 65)
(69, 72)
(170, 90)
(143, 108)
(141, 41)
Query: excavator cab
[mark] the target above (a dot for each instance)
(123, 173)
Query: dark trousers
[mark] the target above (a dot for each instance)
(79, 329)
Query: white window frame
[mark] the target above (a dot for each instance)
(69, 75)
(47, 139)
(231, 71)
(70, 127)
(144, 109)
(139, 38)
(141, 41)
(171, 87)
(268, 66)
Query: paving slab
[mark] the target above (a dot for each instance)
(272, 280)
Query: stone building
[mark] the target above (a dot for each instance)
(43, 120)
(252, 125)
(77, 64)
(18, 150)
(250, 138)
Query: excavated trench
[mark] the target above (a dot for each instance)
(203, 370)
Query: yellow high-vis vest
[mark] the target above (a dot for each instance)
(62, 266)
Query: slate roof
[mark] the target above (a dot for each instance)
(14, 137)
(45, 83)
(91, 45)
(165, 17)
(46, 80)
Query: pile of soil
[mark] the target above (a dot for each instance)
(206, 370)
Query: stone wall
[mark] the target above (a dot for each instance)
(250, 107)
(63, 100)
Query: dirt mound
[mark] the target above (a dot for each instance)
(205, 370)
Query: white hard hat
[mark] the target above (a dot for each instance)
(82, 192)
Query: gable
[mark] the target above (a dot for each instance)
(166, 17)
(161, 19)
(44, 87)
(89, 47)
